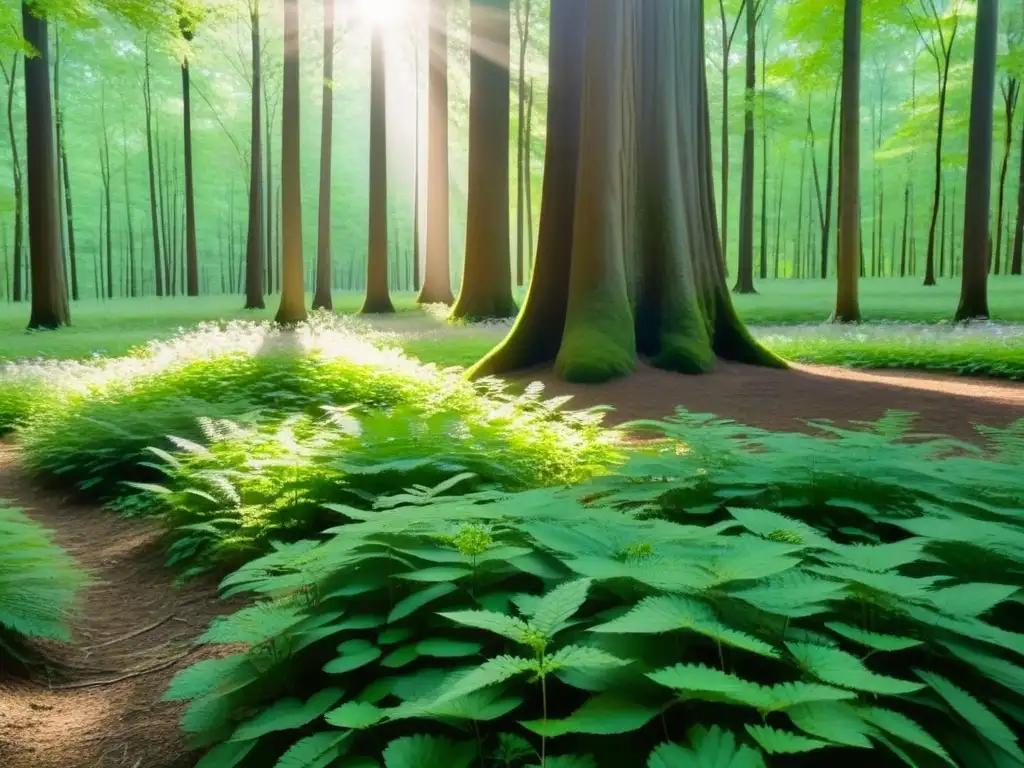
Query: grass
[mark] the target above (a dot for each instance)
(102, 328)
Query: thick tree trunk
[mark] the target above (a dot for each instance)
(377, 299)
(629, 260)
(191, 249)
(19, 196)
(745, 266)
(292, 308)
(847, 306)
(153, 213)
(974, 284)
(437, 286)
(254, 253)
(486, 289)
(322, 292)
(49, 298)
(1017, 261)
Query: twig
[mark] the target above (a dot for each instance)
(122, 678)
(130, 635)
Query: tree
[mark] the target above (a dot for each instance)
(322, 293)
(629, 260)
(49, 297)
(745, 268)
(974, 278)
(147, 94)
(11, 80)
(377, 299)
(847, 307)
(292, 308)
(938, 42)
(524, 9)
(486, 289)
(1009, 87)
(254, 235)
(436, 278)
(189, 15)
(727, 38)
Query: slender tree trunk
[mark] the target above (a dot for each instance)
(322, 293)
(800, 211)
(64, 174)
(1010, 92)
(778, 222)
(1017, 261)
(523, 10)
(292, 308)
(974, 284)
(191, 249)
(269, 256)
(763, 271)
(11, 79)
(745, 266)
(153, 212)
(906, 214)
(528, 172)
(254, 252)
(416, 181)
(929, 267)
(49, 298)
(942, 238)
(847, 272)
(829, 181)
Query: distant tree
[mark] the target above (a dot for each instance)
(322, 292)
(745, 267)
(189, 14)
(628, 261)
(1009, 86)
(377, 299)
(974, 278)
(727, 39)
(523, 17)
(436, 278)
(254, 252)
(847, 271)
(11, 80)
(154, 215)
(49, 297)
(292, 308)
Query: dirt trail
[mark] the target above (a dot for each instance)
(132, 619)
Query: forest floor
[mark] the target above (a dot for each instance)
(100, 706)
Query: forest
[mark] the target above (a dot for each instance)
(511, 383)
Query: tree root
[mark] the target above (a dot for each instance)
(127, 676)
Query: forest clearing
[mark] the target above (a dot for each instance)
(511, 383)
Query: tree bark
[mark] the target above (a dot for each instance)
(847, 259)
(191, 249)
(416, 181)
(19, 194)
(377, 299)
(254, 252)
(49, 298)
(486, 289)
(629, 261)
(68, 225)
(1017, 262)
(292, 308)
(745, 266)
(829, 181)
(523, 11)
(1010, 92)
(322, 293)
(929, 267)
(437, 286)
(528, 172)
(153, 213)
(974, 282)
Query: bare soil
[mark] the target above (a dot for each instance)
(101, 706)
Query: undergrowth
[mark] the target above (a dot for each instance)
(38, 585)
(730, 597)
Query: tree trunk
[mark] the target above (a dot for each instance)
(416, 181)
(942, 238)
(486, 289)
(523, 9)
(1009, 102)
(847, 306)
(800, 212)
(929, 267)
(49, 298)
(377, 299)
(437, 287)
(269, 254)
(974, 283)
(1017, 261)
(19, 196)
(153, 212)
(628, 262)
(322, 292)
(254, 234)
(528, 172)
(745, 266)
(906, 214)
(829, 180)
(65, 179)
(763, 271)
(191, 250)
(292, 308)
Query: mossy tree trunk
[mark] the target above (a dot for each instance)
(486, 289)
(437, 285)
(377, 299)
(49, 297)
(322, 292)
(292, 308)
(628, 260)
(848, 258)
(974, 277)
(254, 237)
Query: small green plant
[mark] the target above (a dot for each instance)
(38, 585)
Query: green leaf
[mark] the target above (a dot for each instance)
(489, 673)
(428, 752)
(415, 601)
(441, 573)
(352, 654)
(657, 615)
(971, 599)
(903, 728)
(974, 712)
(776, 742)
(287, 714)
(831, 665)
(317, 751)
(569, 761)
(716, 748)
(558, 606)
(874, 640)
(444, 648)
(482, 705)
(832, 721)
(794, 595)
(776, 527)
(582, 657)
(498, 623)
(993, 667)
(227, 755)
(355, 714)
(393, 635)
(603, 714)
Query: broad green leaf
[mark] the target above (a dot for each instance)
(776, 742)
(483, 705)
(287, 714)
(227, 755)
(715, 748)
(352, 654)
(581, 657)
(776, 527)
(439, 573)
(568, 761)
(603, 714)
(489, 673)
(874, 640)
(409, 605)
(498, 623)
(971, 599)
(794, 595)
(904, 729)
(355, 714)
(444, 648)
(831, 665)
(993, 667)
(428, 752)
(558, 606)
(393, 635)
(400, 657)
(833, 721)
(317, 751)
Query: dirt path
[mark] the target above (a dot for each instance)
(132, 619)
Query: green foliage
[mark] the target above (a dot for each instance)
(38, 584)
(768, 594)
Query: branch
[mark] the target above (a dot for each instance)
(241, 155)
(736, 24)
